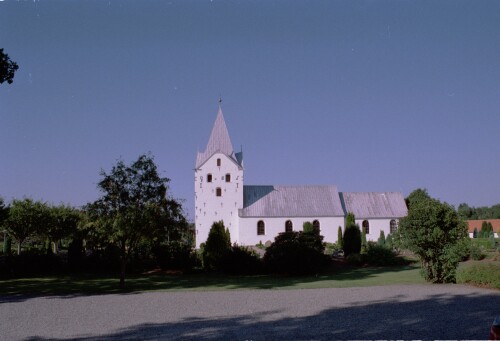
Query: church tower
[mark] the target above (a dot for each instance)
(218, 183)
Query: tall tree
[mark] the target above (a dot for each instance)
(132, 207)
(7, 68)
(63, 222)
(26, 218)
(436, 234)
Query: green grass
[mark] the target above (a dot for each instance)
(483, 273)
(93, 284)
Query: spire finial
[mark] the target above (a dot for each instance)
(220, 99)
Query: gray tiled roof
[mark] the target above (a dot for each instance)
(219, 142)
(374, 204)
(291, 201)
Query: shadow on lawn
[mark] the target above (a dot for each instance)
(435, 317)
(80, 285)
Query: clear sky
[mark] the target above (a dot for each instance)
(365, 95)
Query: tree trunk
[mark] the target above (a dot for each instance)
(19, 246)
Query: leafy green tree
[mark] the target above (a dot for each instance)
(417, 195)
(4, 213)
(62, 222)
(7, 68)
(486, 229)
(350, 219)
(130, 210)
(307, 226)
(26, 218)
(436, 234)
(352, 236)
(340, 239)
(389, 242)
(296, 252)
(381, 240)
(218, 244)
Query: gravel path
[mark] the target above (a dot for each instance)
(388, 312)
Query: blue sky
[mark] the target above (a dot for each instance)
(366, 95)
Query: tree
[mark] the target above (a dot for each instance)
(381, 240)
(26, 218)
(388, 242)
(486, 229)
(218, 244)
(296, 252)
(63, 222)
(132, 207)
(417, 195)
(436, 234)
(340, 240)
(4, 213)
(7, 68)
(352, 236)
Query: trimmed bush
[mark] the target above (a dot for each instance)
(241, 261)
(352, 239)
(381, 239)
(378, 255)
(296, 253)
(218, 244)
(340, 240)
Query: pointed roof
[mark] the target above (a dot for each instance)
(219, 141)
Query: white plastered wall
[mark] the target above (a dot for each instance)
(208, 206)
(376, 225)
(273, 226)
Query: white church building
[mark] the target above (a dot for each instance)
(258, 213)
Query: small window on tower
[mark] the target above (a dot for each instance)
(218, 192)
(228, 177)
(209, 177)
(218, 162)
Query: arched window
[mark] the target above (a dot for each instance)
(261, 228)
(316, 225)
(218, 192)
(228, 177)
(288, 226)
(209, 177)
(393, 226)
(366, 227)
(218, 162)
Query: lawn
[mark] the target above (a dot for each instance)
(94, 284)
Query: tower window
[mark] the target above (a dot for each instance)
(228, 177)
(393, 226)
(218, 162)
(316, 225)
(288, 226)
(261, 228)
(218, 192)
(366, 227)
(209, 177)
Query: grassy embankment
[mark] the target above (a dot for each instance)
(482, 273)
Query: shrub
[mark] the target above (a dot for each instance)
(476, 252)
(378, 255)
(354, 259)
(381, 239)
(492, 243)
(241, 261)
(174, 255)
(217, 245)
(480, 274)
(352, 239)
(296, 253)
(389, 242)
